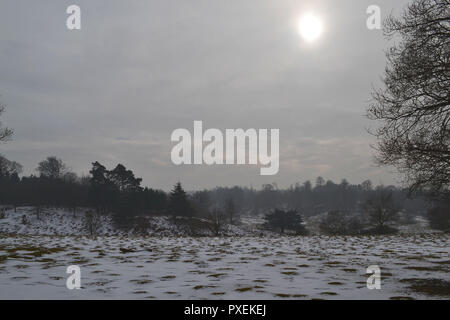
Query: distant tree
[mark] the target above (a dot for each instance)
(9, 168)
(414, 106)
(141, 225)
(124, 179)
(285, 220)
(70, 177)
(52, 167)
(127, 195)
(100, 189)
(202, 202)
(307, 185)
(334, 223)
(5, 133)
(154, 201)
(320, 182)
(217, 219)
(381, 209)
(267, 198)
(179, 204)
(92, 223)
(230, 209)
(354, 226)
(98, 173)
(367, 186)
(439, 216)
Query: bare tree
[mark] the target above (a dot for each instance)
(334, 223)
(9, 168)
(52, 167)
(5, 133)
(217, 218)
(230, 209)
(92, 223)
(414, 106)
(381, 209)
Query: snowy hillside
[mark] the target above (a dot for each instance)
(56, 221)
(63, 222)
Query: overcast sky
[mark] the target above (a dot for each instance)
(137, 70)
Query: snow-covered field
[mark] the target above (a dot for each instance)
(316, 267)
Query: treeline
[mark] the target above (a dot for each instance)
(117, 191)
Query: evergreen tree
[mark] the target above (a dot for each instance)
(285, 220)
(179, 204)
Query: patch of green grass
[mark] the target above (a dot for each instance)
(215, 259)
(332, 263)
(401, 298)
(430, 287)
(420, 268)
(139, 292)
(217, 275)
(442, 262)
(299, 295)
(203, 287)
(328, 293)
(282, 295)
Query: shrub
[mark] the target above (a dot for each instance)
(282, 221)
(439, 217)
(334, 223)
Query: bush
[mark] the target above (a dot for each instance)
(439, 217)
(92, 223)
(354, 226)
(282, 221)
(384, 230)
(141, 225)
(218, 221)
(334, 223)
(337, 223)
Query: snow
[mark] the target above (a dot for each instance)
(223, 268)
(34, 259)
(57, 221)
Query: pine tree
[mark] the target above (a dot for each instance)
(179, 204)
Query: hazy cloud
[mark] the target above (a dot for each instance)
(137, 70)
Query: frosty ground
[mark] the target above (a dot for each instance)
(315, 267)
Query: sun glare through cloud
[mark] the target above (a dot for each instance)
(310, 27)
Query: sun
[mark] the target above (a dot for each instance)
(310, 27)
